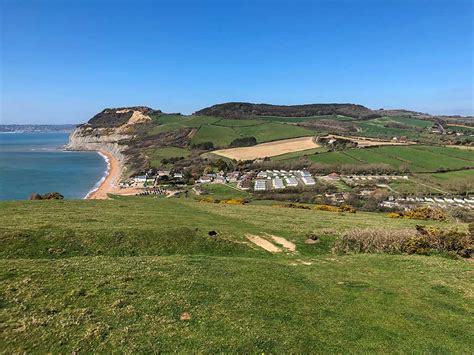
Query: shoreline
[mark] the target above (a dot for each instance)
(109, 183)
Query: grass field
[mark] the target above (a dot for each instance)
(117, 275)
(297, 155)
(221, 191)
(416, 158)
(222, 135)
(412, 128)
(304, 119)
(158, 154)
(449, 181)
(221, 132)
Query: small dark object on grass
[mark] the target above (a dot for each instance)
(312, 239)
(212, 234)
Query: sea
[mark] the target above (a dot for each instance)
(35, 163)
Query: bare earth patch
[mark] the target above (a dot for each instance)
(284, 243)
(268, 149)
(263, 243)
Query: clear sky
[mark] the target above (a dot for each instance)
(63, 61)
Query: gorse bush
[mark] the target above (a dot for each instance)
(423, 212)
(422, 240)
(329, 208)
(232, 201)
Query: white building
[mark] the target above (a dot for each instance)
(278, 183)
(140, 178)
(260, 185)
(291, 181)
(308, 180)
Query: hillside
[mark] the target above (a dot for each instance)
(143, 275)
(239, 110)
(142, 138)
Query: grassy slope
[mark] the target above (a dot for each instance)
(155, 266)
(375, 127)
(297, 155)
(158, 154)
(220, 136)
(222, 132)
(417, 158)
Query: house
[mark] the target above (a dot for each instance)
(220, 179)
(161, 173)
(178, 175)
(140, 178)
(204, 179)
(233, 177)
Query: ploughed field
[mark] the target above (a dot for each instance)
(142, 274)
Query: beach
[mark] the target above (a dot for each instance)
(110, 183)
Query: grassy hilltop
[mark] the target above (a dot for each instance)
(143, 275)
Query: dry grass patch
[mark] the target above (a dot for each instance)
(269, 149)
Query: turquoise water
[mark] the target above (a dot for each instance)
(33, 162)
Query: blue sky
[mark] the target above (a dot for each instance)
(63, 61)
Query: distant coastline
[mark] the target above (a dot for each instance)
(34, 128)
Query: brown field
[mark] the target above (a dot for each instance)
(268, 149)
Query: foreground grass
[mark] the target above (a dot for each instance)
(117, 276)
(346, 304)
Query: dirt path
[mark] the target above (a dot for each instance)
(269, 149)
(263, 243)
(284, 243)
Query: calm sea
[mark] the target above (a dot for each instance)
(33, 162)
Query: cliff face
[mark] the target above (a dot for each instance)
(110, 130)
(88, 138)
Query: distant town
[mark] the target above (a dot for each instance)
(25, 128)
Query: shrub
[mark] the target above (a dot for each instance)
(424, 213)
(203, 146)
(243, 142)
(296, 205)
(234, 201)
(462, 214)
(329, 208)
(423, 240)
